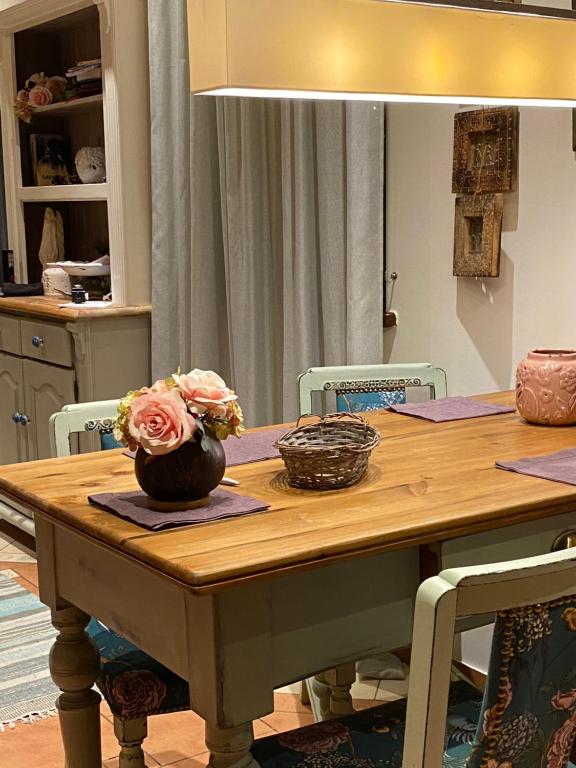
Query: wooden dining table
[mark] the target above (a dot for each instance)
(239, 607)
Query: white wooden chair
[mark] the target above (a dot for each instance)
(361, 388)
(528, 714)
(80, 417)
(391, 382)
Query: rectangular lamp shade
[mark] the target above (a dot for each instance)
(380, 50)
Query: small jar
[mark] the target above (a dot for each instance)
(546, 387)
(78, 294)
(55, 281)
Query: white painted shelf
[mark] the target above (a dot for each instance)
(79, 106)
(63, 193)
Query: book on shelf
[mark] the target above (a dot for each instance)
(50, 159)
(85, 71)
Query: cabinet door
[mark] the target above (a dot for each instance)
(46, 389)
(12, 436)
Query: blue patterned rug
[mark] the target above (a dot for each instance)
(26, 635)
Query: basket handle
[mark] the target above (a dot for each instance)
(332, 417)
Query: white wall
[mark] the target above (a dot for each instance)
(479, 329)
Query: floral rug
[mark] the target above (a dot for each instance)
(370, 738)
(27, 692)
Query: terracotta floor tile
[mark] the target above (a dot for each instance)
(199, 761)
(365, 703)
(37, 744)
(261, 729)
(174, 737)
(289, 702)
(287, 721)
(28, 571)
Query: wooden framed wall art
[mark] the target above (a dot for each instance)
(485, 150)
(477, 230)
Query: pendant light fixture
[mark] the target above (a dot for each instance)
(383, 50)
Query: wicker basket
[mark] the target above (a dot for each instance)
(331, 453)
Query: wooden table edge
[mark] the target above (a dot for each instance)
(199, 585)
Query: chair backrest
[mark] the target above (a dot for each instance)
(528, 715)
(80, 417)
(366, 387)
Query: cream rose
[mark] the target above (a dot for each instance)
(205, 391)
(160, 422)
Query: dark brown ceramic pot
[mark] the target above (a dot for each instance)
(184, 476)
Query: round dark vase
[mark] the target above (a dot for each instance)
(187, 474)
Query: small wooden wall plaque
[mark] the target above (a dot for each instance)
(485, 150)
(477, 231)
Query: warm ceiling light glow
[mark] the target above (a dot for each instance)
(379, 50)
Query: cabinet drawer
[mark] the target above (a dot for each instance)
(10, 334)
(46, 341)
(514, 541)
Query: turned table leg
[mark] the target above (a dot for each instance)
(74, 666)
(329, 692)
(230, 747)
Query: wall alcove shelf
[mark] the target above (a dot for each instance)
(63, 192)
(85, 105)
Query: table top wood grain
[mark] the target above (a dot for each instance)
(426, 482)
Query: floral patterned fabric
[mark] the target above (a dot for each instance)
(133, 683)
(360, 402)
(373, 738)
(529, 712)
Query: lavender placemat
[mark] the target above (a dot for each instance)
(133, 506)
(450, 409)
(560, 466)
(254, 446)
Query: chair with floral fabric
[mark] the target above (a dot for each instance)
(133, 683)
(527, 717)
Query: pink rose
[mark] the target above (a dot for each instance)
(39, 96)
(564, 700)
(321, 737)
(561, 746)
(206, 391)
(160, 422)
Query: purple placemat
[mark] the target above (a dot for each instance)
(133, 506)
(560, 466)
(450, 409)
(254, 446)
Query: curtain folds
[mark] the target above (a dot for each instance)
(268, 231)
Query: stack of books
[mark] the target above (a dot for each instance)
(86, 76)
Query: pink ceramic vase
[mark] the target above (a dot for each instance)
(546, 387)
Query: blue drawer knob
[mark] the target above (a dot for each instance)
(37, 341)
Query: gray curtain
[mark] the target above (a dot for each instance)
(267, 231)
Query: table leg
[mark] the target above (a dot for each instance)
(230, 747)
(329, 692)
(74, 666)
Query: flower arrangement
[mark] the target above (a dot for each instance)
(39, 90)
(172, 411)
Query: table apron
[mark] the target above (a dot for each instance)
(236, 646)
